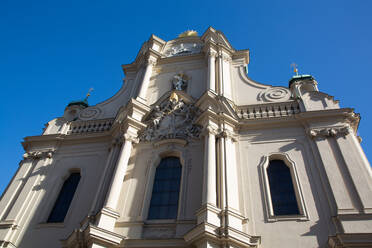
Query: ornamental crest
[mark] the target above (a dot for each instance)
(173, 119)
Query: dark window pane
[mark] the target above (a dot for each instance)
(164, 199)
(64, 199)
(283, 196)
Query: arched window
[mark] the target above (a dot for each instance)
(282, 192)
(166, 188)
(64, 199)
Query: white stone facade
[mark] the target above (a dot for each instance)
(191, 98)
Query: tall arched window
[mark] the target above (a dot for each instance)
(282, 192)
(165, 192)
(64, 199)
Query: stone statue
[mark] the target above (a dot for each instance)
(179, 82)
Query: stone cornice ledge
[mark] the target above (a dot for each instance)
(206, 231)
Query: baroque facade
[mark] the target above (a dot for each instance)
(191, 152)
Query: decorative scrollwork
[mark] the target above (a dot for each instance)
(275, 94)
(90, 113)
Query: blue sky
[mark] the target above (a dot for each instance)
(52, 52)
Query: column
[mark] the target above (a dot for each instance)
(108, 214)
(209, 213)
(146, 79)
(211, 71)
(221, 172)
(231, 172)
(210, 176)
(120, 170)
(220, 73)
(104, 178)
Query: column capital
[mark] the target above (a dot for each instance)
(150, 61)
(131, 137)
(224, 56)
(209, 130)
(224, 133)
(211, 53)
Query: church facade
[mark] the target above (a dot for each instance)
(191, 152)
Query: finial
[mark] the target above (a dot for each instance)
(88, 94)
(295, 70)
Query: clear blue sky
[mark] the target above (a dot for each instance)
(52, 52)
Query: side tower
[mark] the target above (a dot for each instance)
(191, 152)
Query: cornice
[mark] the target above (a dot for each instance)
(54, 139)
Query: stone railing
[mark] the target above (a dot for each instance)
(91, 126)
(269, 110)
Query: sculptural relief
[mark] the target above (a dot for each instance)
(183, 49)
(172, 119)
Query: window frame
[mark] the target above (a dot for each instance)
(150, 183)
(52, 197)
(59, 195)
(179, 168)
(269, 210)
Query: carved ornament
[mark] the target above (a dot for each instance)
(38, 154)
(329, 132)
(275, 94)
(184, 49)
(90, 113)
(172, 119)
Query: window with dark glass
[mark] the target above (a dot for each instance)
(64, 199)
(283, 196)
(165, 192)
